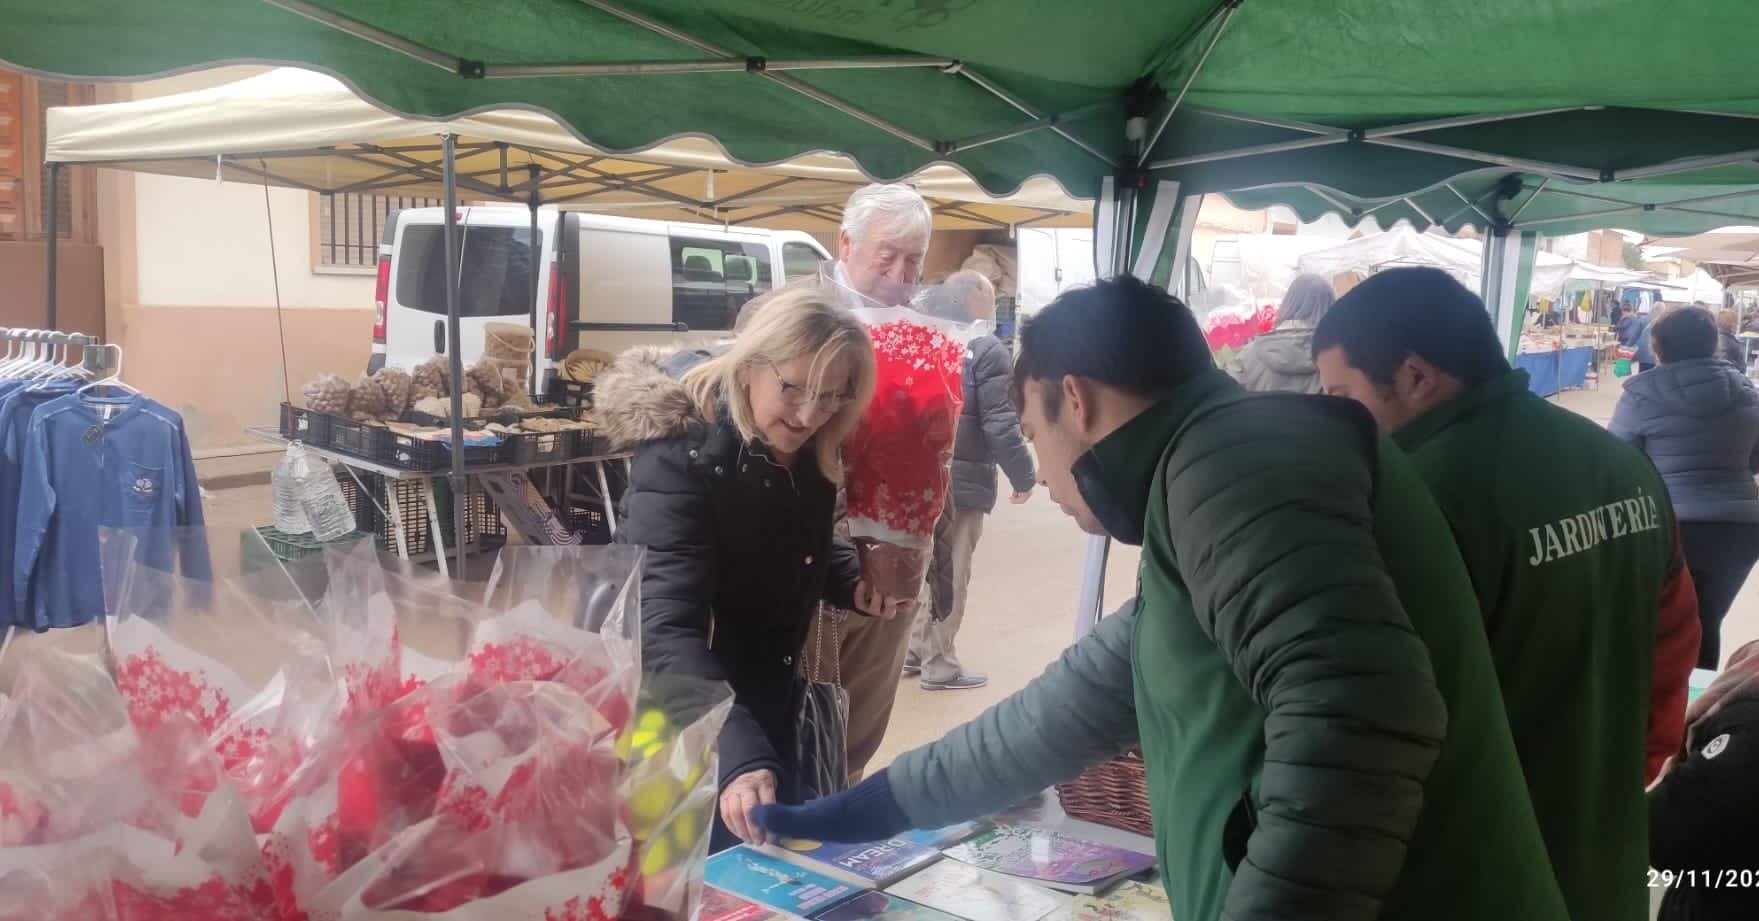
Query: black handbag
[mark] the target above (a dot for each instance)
(822, 736)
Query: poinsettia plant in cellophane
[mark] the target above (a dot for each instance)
(376, 747)
(897, 461)
(101, 820)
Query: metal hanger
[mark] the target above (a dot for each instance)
(64, 369)
(115, 378)
(35, 338)
(54, 356)
(15, 340)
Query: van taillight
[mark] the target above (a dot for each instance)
(381, 294)
(554, 316)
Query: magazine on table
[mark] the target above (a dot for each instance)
(873, 863)
(939, 838)
(1050, 858)
(882, 906)
(762, 878)
(976, 894)
(1130, 901)
(720, 905)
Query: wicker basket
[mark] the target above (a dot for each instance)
(1113, 793)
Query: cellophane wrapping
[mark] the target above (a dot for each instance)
(897, 462)
(386, 746)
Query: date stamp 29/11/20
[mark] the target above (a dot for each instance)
(1704, 879)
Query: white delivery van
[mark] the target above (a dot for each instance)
(602, 282)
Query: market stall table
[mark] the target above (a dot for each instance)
(425, 480)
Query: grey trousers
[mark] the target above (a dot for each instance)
(949, 578)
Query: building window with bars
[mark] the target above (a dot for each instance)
(350, 225)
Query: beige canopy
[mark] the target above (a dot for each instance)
(307, 130)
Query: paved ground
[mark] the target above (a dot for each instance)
(1027, 573)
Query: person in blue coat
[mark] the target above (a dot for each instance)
(1697, 418)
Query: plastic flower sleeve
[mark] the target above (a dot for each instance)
(592, 591)
(896, 462)
(136, 826)
(243, 660)
(669, 789)
(461, 802)
(360, 621)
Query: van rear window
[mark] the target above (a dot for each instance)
(494, 273)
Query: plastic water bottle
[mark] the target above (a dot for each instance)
(321, 498)
(289, 514)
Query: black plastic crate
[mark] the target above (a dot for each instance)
(539, 447)
(589, 443)
(504, 416)
(589, 523)
(360, 439)
(304, 425)
(414, 453)
(570, 393)
(483, 526)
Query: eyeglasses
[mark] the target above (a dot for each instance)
(798, 396)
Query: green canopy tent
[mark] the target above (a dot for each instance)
(1519, 117)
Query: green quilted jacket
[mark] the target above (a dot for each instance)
(1305, 669)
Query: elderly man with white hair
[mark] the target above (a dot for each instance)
(880, 248)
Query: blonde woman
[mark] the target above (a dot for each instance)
(733, 490)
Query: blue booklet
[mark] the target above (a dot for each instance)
(875, 863)
(775, 882)
(938, 838)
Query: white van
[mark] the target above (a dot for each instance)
(603, 282)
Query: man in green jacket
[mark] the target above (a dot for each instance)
(1569, 539)
(1305, 670)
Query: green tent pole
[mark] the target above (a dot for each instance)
(1508, 277)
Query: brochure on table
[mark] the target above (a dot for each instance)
(1030, 865)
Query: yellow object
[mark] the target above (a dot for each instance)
(653, 800)
(657, 858)
(688, 828)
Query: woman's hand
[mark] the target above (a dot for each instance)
(741, 797)
(873, 603)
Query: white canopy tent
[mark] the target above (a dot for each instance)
(302, 129)
(1402, 246)
(1729, 255)
(1732, 245)
(1607, 275)
(1698, 287)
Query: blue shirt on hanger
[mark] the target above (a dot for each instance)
(92, 462)
(18, 399)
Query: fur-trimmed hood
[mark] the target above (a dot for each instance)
(640, 398)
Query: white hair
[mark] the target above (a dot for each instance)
(894, 204)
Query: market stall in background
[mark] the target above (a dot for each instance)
(1144, 114)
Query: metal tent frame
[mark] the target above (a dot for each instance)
(1121, 232)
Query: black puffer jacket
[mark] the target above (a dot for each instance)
(739, 555)
(1698, 420)
(989, 430)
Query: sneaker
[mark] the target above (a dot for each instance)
(912, 665)
(963, 681)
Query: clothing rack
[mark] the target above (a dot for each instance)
(81, 451)
(97, 358)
